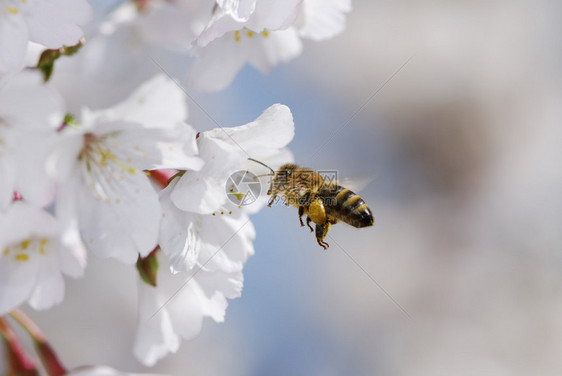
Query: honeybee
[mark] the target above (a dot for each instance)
(323, 202)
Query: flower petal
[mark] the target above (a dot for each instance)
(155, 335)
(55, 23)
(157, 103)
(204, 191)
(49, 289)
(240, 10)
(119, 220)
(13, 42)
(272, 130)
(177, 228)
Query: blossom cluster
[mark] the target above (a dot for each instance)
(97, 157)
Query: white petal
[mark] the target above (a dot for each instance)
(8, 172)
(279, 46)
(274, 14)
(217, 64)
(273, 129)
(268, 15)
(186, 311)
(240, 10)
(123, 223)
(226, 242)
(13, 42)
(150, 149)
(55, 23)
(204, 191)
(18, 277)
(220, 24)
(33, 181)
(158, 103)
(324, 19)
(155, 335)
(73, 252)
(228, 285)
(73, 255)
(26, 101)
(49, 289)
(177, 239)
(23, 220)
(17, 280)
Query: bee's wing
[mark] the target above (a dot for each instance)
(356, 184)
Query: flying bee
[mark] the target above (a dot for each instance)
(322, 201)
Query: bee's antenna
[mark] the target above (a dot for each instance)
(263, 164)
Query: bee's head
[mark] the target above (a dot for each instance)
(282, 177)
(284, 174)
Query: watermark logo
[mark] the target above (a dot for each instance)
(243, 188)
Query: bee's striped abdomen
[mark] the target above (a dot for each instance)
(346, 206)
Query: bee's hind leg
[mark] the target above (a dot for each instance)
(321, 232)
(301, 213)
(308, 220)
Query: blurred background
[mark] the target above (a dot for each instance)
(455, 109)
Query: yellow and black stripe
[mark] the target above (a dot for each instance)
(346, 206)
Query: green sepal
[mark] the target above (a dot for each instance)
(148, 268)
(46, 63)
(69, 119)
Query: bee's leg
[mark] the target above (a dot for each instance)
(308, 220)
(272, 200)
(301, 213)
(321, 232)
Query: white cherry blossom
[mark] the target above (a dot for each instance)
(174, 310)
(268, 15)
(269, 36)
(226, 150)
(217, 63)
(206, 238)
(104, 188)
(52, 23)
(33, 258)
(118, 57)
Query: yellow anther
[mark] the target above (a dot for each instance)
(6, 250)
(250, 33)
(12, 10)
(265, 33)
(237, 35)
(23, 1)
(132, 170)
(21, 257)
(105, 155)
(147, 173)
(24, 244)
(42, 244)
